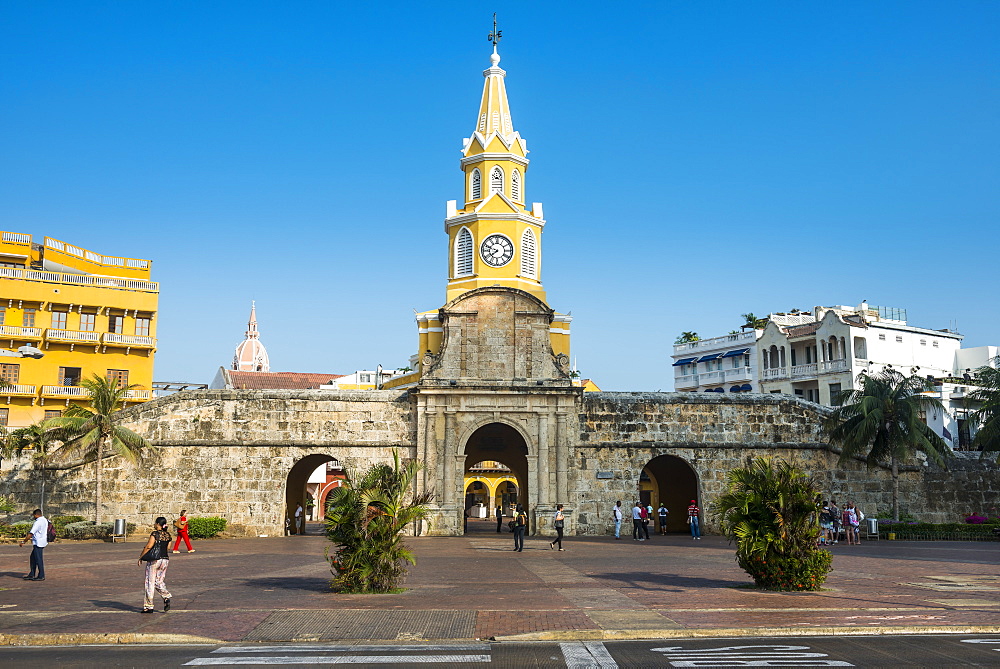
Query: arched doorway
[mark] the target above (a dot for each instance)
(499, 452)
(297, 487)
(670, 480)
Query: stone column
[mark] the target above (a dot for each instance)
(562, 459)
(544, 477)
(448, 456)
(428, 453)
(532, 508)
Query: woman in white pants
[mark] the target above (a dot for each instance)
(156, 555)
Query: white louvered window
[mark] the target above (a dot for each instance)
(515, 186)
(529, 268)
(496, 121)
(463, 253)
(482, 123)
(476, 187)
(496, 180)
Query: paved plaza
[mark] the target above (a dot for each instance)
(475, 587)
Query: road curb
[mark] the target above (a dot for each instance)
(727, 632)
(110, 638)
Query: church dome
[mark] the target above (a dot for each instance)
(251, 355)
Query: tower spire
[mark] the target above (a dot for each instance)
(494, 110)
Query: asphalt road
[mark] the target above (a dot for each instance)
(848, 651)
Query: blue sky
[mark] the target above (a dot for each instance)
(696, 161)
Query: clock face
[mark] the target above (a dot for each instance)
(496, 250)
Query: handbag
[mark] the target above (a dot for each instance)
(689, 520)
(559, 524)
(155, 553)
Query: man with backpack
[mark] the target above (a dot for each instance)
(520, 525)
(40, 534)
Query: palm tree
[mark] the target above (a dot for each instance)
(89, 432)
(881, 421)
(365, 519)
(987, 416)
(752, 322)
(770, 510)
(687, 338)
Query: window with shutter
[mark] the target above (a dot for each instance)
(528, 260)
(463, 253)
(515, 186)
(496, 180)
(476, 187)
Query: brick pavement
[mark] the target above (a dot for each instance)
(230, 589)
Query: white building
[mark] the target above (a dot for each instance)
(719, 364)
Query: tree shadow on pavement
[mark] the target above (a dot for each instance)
(308, 583)
(644, 581)
(118, 606)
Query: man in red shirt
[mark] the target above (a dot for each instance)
(694, 520)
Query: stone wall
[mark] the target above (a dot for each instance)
(228, 453)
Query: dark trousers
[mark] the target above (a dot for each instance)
(558, 539)
(645, 527)
(636, 528)
(519, 538)
(663, 524)
(35, 563)
(499, 524)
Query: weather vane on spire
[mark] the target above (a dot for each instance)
(496, 34)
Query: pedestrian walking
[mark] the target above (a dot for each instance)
(644, 515)
(558, 522)
(826, 524)
(836, 513)
(38, 535)
(637, 523)
(300, 520)
(662, 513)
(499, 514)
(851, 524)
(520, 525)
(694, 520)
(616, 516)
(181, 525)
(157, 559)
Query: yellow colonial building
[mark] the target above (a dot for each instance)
(87, 313)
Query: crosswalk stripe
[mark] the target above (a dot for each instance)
(587, 655)
(339, 659)
(342, 648)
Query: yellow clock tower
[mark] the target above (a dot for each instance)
(494, 237)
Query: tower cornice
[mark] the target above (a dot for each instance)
(480, 157)
(473, 216)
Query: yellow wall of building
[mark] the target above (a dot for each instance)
(120, 294)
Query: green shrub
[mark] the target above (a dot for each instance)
(770, 511)
(15, 531)
(780, 572)
(86, 529)
(206, 528)
(59, 522)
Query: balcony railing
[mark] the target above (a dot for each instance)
(686, 381)
(17, 389)
(775, 373)
(830, 366)
(808, 369)
(65, 391)
(18, 332)
(739, 374)
(129, 340)
(716, 342)
(712, 377)
(72, 335)
(79, 279)
(138, 394)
